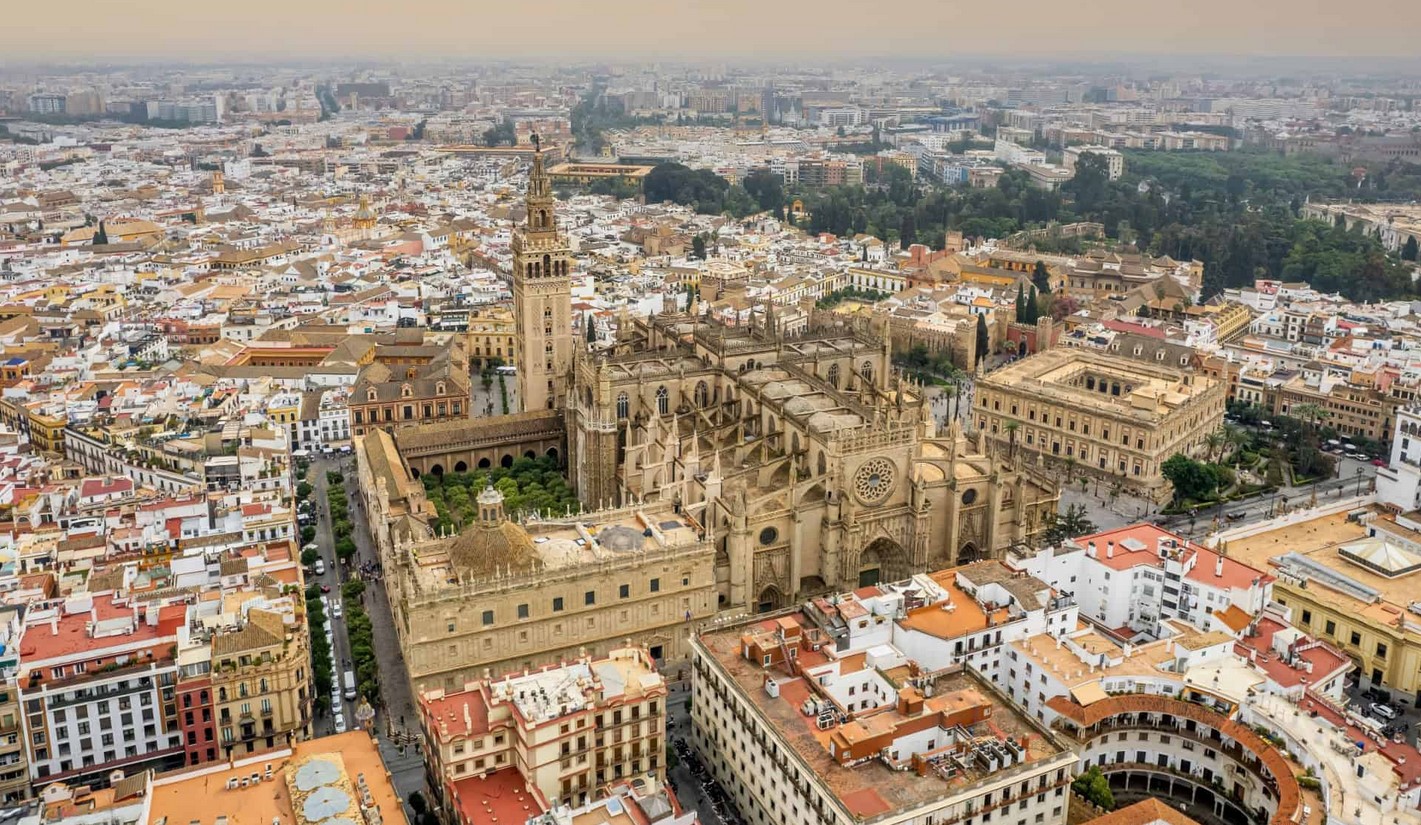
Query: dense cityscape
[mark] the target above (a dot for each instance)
(972, 442)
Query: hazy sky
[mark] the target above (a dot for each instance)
(764, 29)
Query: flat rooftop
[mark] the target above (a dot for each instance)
(1315, 546)
(871, 788)
(1100, 381)
(592, 538)
(336, 770)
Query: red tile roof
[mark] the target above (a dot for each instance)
(502, 796)
(1289, 794)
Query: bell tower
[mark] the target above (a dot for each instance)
(542, 297)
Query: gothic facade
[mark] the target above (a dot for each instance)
(810, 462)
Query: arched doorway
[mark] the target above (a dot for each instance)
(437, 470)
(770, 599)
(484, 464)
(414, 472)
(884, 560)
(461, 467)
(530, 455)
(968, 553)
(552, 453)
(507, 461)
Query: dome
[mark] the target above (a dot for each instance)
(493, 545)
(488, 549)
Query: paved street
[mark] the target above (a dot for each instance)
(325, 543)
(396, 723)
(1107, 514)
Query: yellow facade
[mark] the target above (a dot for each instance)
(1101, 415)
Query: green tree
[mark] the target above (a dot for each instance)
(698, 247)
(309, 557)
(1093, 787)
(739, 203)
(1041, 278)
(304, 490)
(1193, 480)
(500, 135)
(101, 237)
(1061, 526)
(908, 230)
(767, 189)
(983, 340)
(591, 331)
(1409, 249)
(1033, 307)
(1020, 305)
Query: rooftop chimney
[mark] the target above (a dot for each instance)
(1218, 565)
(1090, 549)
(1110, 549)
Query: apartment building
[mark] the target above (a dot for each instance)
(1106, 415)
(555, 736)
(1134, 579)
(1114, 161)
(876, 704)
(260, 681)
(339, 778)
(97, 684)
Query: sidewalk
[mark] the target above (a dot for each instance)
(397, 721)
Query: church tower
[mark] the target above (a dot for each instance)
(542, 297)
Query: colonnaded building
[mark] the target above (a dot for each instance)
(720, 470)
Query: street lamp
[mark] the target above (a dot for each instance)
(1359, 481)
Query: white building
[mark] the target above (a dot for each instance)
(1399, 483)
(873, 704)
(1133, 578)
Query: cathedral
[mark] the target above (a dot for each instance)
(812, 464)
(752, 468)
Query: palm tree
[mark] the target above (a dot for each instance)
(1238, 438)
(1215, 441)
(1011, 428)
(1309, 414)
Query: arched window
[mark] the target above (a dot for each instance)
(702, 395)
(622, 404)
(663, 401)
(867, 370)
(834, 376)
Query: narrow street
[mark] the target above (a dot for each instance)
(325, 544)
(396, 721)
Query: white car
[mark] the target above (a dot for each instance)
(336, 610)
(340, 723)
(1381, 711)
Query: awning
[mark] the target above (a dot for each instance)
(1088, 693)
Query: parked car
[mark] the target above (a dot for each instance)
(1379, 462)
(1237, 515)
(1382, 711)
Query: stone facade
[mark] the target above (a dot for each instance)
(813, 464)
(1099, 415)
(542, 299)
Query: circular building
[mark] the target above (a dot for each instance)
(1217, 770)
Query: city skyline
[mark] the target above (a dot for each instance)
(440, 29)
